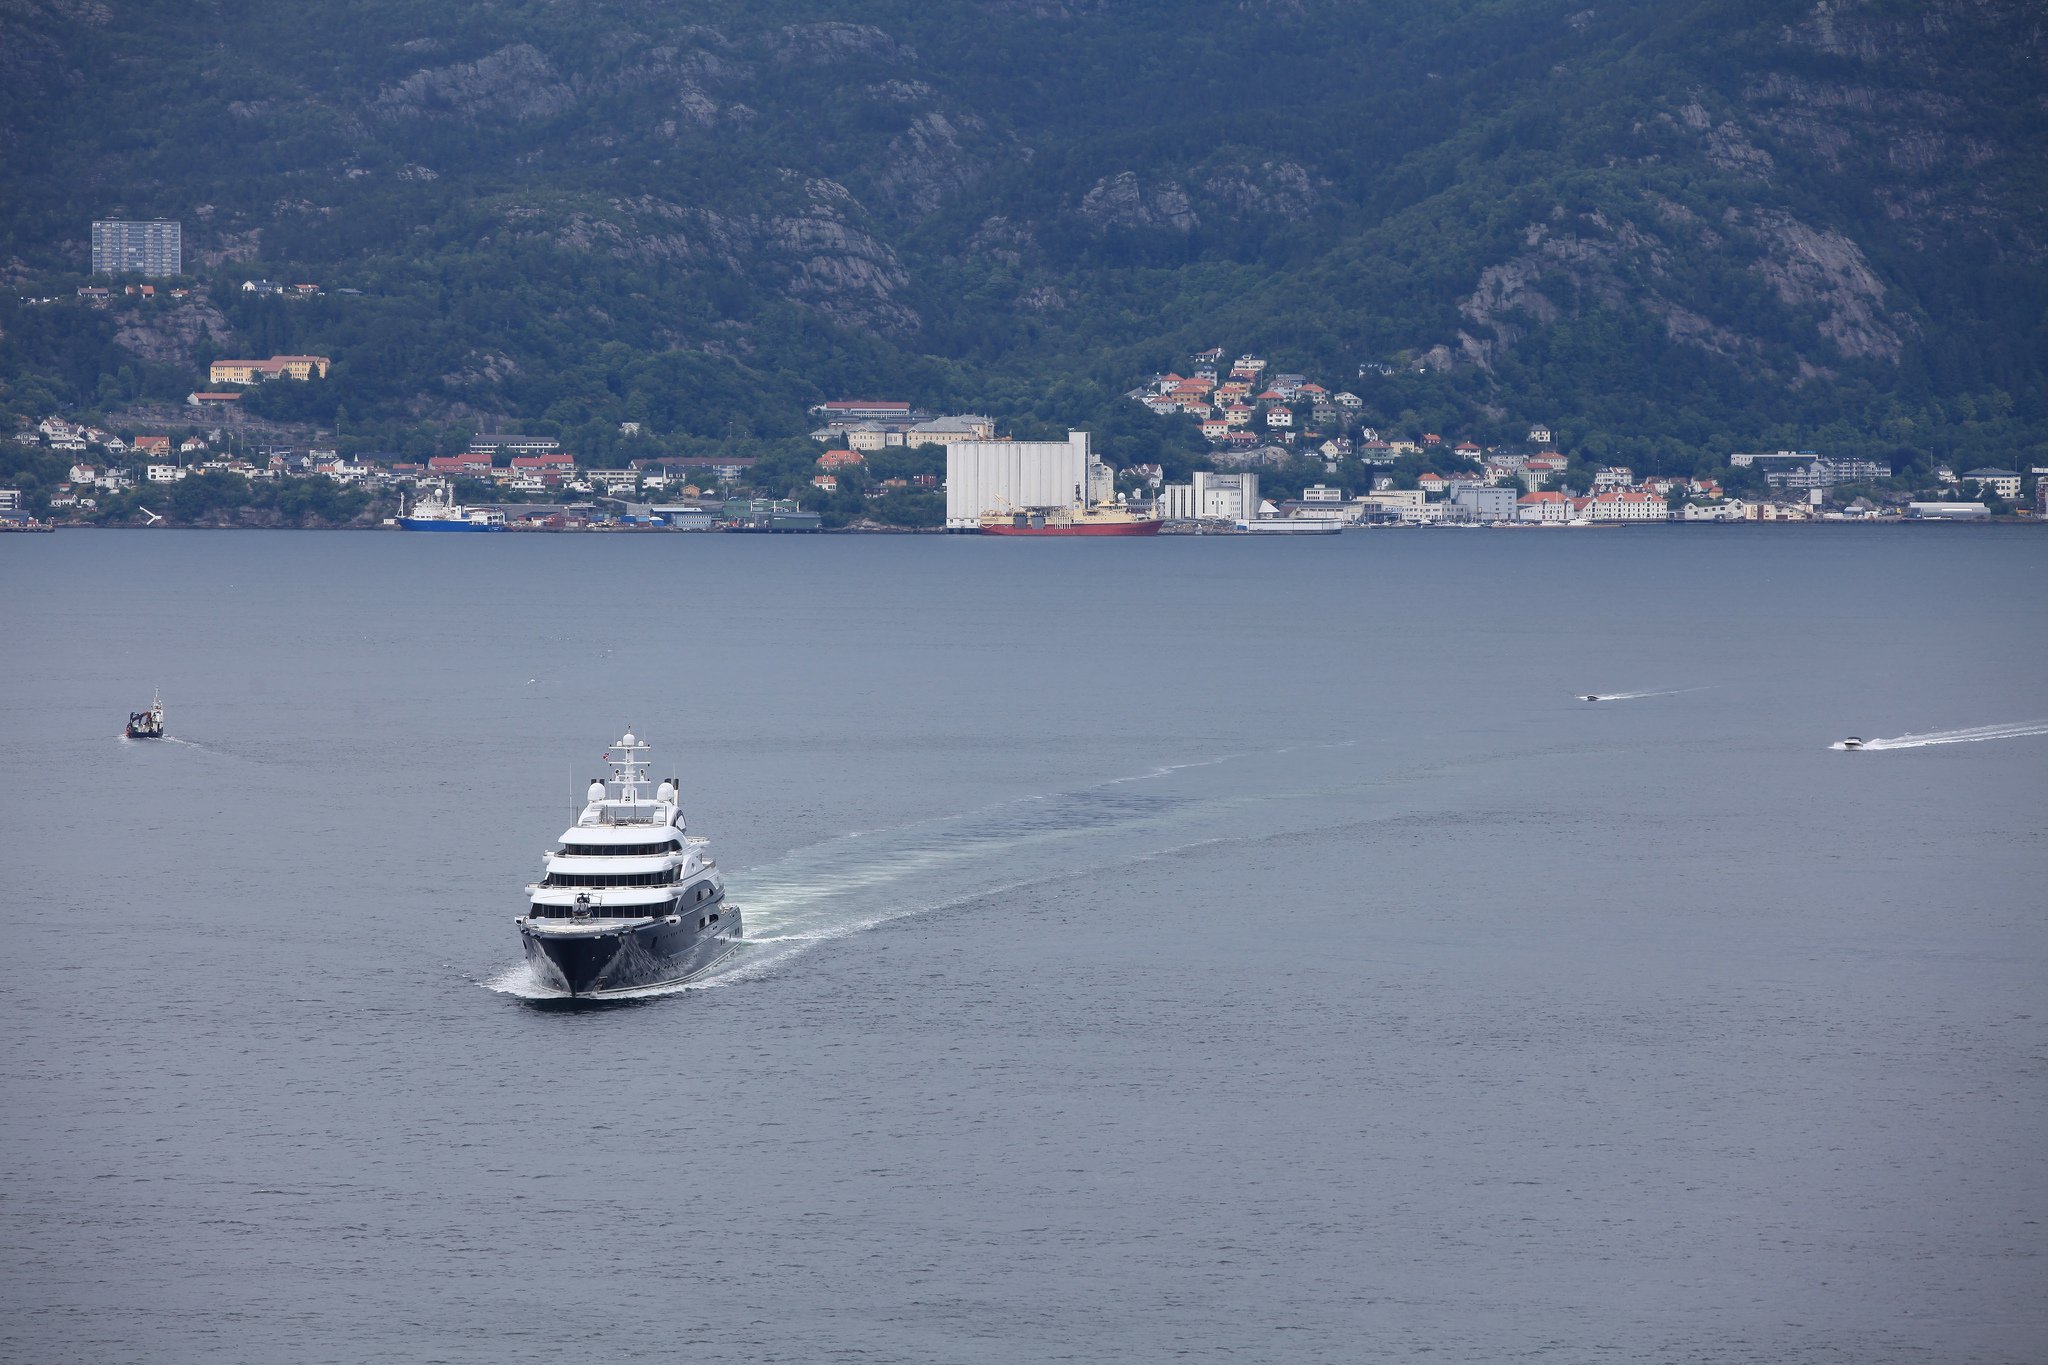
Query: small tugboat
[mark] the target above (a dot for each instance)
(630, 900)
(148, 724)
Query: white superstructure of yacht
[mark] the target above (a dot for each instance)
(630, 899)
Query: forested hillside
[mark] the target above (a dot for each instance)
(1666, 229)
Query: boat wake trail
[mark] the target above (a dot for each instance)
(1636, 696)
(1974, 734)
(856, 882)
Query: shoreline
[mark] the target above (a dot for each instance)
(1191, 533)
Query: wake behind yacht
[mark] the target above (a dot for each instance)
(630, 900)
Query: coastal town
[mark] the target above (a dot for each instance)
(1281, 452)
(1255, 417)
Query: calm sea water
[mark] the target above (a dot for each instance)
(1196, 948)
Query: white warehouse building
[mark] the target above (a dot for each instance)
(1009, 476)
(1211, 497)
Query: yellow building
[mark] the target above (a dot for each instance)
(278, 366)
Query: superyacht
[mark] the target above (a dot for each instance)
(629, 900)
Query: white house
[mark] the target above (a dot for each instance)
(1543, 507)
(1732, 510)
(2004, 482)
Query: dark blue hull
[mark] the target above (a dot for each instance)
(664, 952)
(414, 524)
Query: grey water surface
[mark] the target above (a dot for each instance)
(1179, 949)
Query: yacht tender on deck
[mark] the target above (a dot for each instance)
(629, 900)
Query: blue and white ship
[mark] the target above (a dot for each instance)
(442, 513)
(630, 900)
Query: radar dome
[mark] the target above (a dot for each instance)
(596, 792)
(628, 739)
(665, 792)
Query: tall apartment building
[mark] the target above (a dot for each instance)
(129, 248)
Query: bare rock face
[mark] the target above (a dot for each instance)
(1278, 189)
(514, 84)
(1000, 238)
(1124, 201)
(225, 247)
(1820, 267)
(1594, 262)
(927, 163)
(1043, 9)
(172, 336)
(828, 44)
(482, 367)
(899, 92)
(812, 252)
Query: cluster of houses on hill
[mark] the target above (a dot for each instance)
(1253, 416)
(523, 466)
(1248, 405)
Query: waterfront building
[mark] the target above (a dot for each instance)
(2004, 482)
(1485, 503)
(1822, 472)
(1008, 476)
(1211, 497)
(1628, 505)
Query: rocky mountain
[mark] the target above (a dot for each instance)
(1666, 230)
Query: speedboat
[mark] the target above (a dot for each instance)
(629, 901)
(1853, 742)
(1590, 696)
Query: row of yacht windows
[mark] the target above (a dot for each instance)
(665, 878)
(696, 897)
(618, 850)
